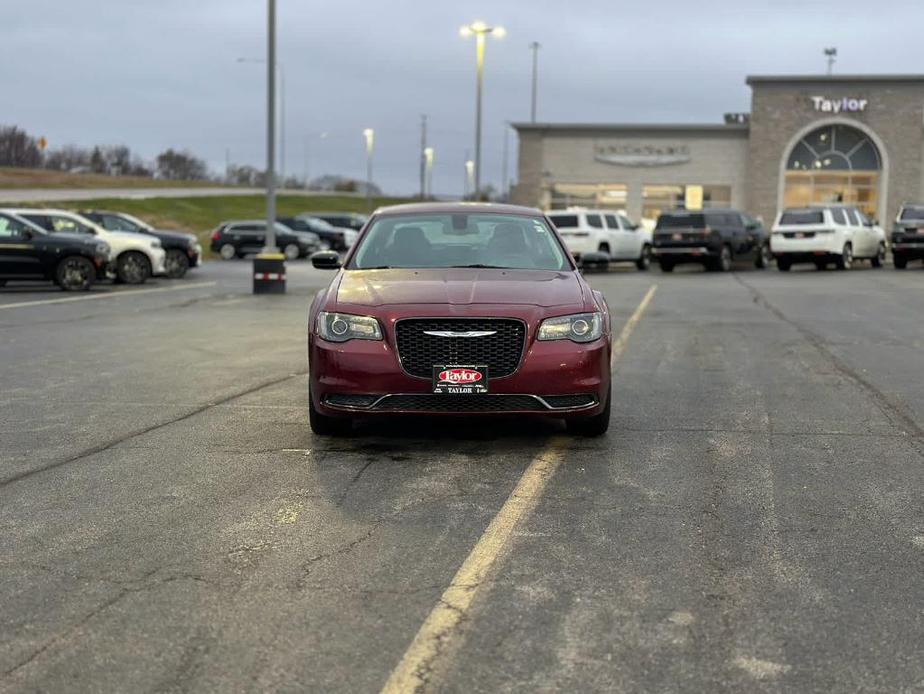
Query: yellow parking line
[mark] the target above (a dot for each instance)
(435, 636)
(107, 295)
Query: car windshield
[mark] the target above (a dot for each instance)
(681, 221)
(564, 221)
(916, 213)
(460, 239)
(795, 217)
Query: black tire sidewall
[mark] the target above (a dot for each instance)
(90, 272)
(125, 257)
(183, 263)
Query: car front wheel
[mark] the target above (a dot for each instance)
(845, 259)
(764, 257)
(133, 268)
(322, 425)
(176, 263)
(644, 260)
(75, 274)
(595, 425)
(879, 259)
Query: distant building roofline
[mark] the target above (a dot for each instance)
(831, 79)
(626, 127)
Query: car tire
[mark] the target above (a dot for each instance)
(227, 252)
(595, 425)
(644, 260)
(75, 274)
(133, 267)
(900, 261)
(322, 425)
(176, 263)
(722, 263)
(879, 259)
(845, 260)
(764, 257)
(666, 265)
(292, 251)
(783, 264)
(604, 248)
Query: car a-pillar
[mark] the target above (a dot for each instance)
(269, 273)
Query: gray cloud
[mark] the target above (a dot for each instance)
(158, 74)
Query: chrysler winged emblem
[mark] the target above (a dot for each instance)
(459, 333)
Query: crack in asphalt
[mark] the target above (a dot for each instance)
(147, 430)
(893, 412)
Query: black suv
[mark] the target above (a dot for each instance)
(182, 250)
(712, 238)
(344, 220)
(28, 252)
(237, 239)
(333, 238)
(908, 235)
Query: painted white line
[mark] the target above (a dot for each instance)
(107, 295)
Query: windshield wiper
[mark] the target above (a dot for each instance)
(483, 266)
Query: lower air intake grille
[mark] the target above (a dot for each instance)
(460, 403)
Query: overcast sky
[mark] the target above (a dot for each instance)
(159, 73)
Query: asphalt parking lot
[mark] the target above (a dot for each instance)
(752, 522)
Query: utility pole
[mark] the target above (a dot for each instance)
(423, 156)
(534, 47)
(831, 55)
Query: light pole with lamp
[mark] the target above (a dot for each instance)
(428, 161)
(282, 114)
(470, 188)
(369, 135)
(269, 266)
(479, 29)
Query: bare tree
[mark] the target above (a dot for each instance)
(18, 148)
(180, 165)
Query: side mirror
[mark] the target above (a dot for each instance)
(326, 260)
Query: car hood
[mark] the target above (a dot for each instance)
(175, 235)
(460, 286)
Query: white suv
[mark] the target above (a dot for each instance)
(603, 231)
(135, 257)
(826, 234)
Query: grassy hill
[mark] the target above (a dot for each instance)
(201, 215)
(12, 177)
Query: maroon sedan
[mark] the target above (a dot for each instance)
(458, 309)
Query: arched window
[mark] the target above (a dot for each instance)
(833, 163)
(835, 148)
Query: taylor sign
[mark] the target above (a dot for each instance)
(844, 105)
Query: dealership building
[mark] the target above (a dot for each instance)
(856, 139)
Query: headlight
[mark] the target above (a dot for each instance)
(340, 327)
(582, 327)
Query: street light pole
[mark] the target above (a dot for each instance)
(369, 134)
(270, 243)
(282, 112)
(534, 46)
(480, 30)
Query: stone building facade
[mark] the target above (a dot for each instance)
(856, 139)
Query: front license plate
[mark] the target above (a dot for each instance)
(460, 380)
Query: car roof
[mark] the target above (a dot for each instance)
(457, 207)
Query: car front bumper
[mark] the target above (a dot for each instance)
(360, 377)
(158, 259)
